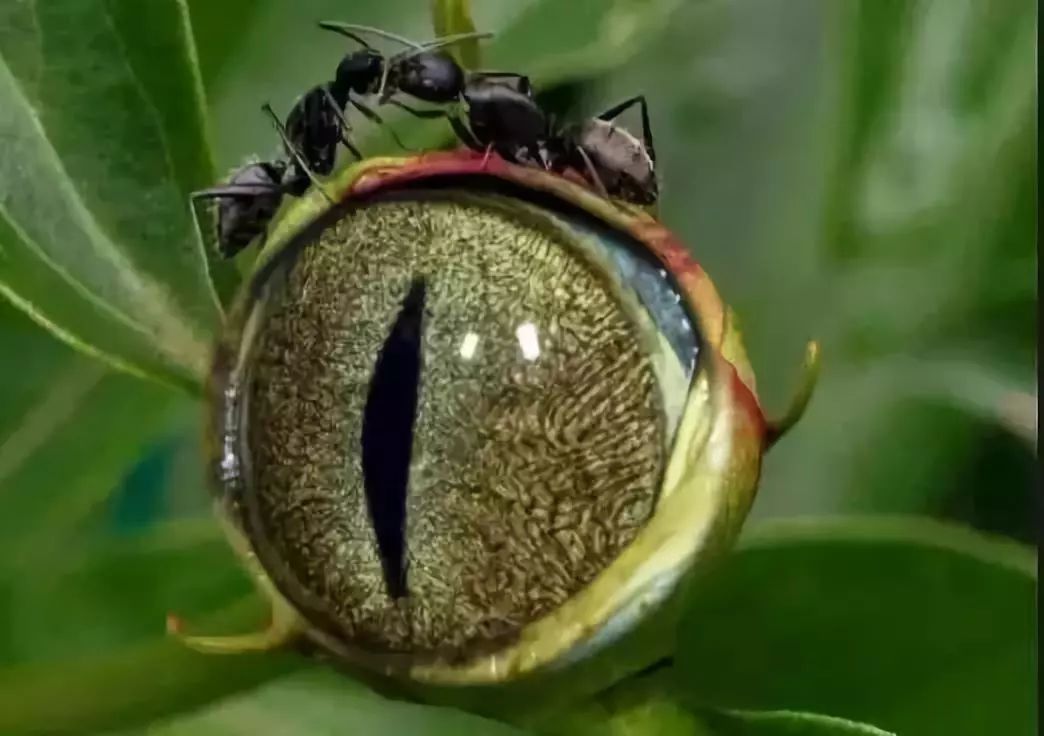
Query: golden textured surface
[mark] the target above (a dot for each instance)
(529, 475)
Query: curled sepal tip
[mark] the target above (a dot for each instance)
(283, 629)
(776, 428)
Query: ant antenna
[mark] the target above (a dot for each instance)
(292, 149)
(338, 27)
(358, 39)
(454, 38)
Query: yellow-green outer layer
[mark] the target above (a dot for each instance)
(710, 479)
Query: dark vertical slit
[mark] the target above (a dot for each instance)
(387, 435)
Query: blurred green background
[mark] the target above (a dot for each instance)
(861, 172)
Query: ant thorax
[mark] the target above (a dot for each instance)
(616, 152)
(358, 72)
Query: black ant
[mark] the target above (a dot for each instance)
(422, 71)
(253, 193)
(427, 74)
(316, 125)
(317, 122)
(507, 119)
(503, 116)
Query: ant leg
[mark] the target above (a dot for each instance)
(593, 173)
(466, 136)
(459, 129)
(352, 147)
(345, 127)
(545, 159)
(233, 190)
(486, 155)
(423, 114)
(292, 150)
(647, 137)
(372, 116)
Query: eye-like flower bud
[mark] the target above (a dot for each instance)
(473, 420)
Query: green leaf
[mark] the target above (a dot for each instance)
(88, 633)
(992, 393)
(219, 29)
(641, 704)
(125, 688)
(657, 702)
(99, 596)
(784, 723)
(104, 138)
(913, 433)
(69, 431)
(70, 449)
(450, 17)
(326, 702)
(913, 626)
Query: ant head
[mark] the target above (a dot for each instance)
(360, 71)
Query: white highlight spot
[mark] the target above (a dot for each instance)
(528, 340)
(468, 346)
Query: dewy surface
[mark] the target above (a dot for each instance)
(538, 441)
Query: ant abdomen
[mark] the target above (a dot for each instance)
(620, 160)
(431, 76)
